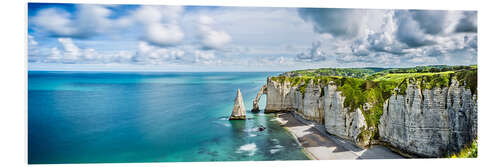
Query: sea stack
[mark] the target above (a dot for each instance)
(239, 112)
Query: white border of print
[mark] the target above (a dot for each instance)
(13, 118)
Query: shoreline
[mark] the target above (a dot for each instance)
(289, 131)
(317, 145)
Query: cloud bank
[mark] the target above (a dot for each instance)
(249, 38)
(412, 37)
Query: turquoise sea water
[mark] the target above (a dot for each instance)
(120, 117)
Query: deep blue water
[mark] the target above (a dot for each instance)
(101, 117)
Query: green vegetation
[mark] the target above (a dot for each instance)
(371, 73)
(302, 81)
(425, 80)
(373, 86)
(467, 152)
(399, 77)
(344, 72)
(467, 78)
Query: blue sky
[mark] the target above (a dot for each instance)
(197, 38)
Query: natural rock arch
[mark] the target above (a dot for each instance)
(263, 90)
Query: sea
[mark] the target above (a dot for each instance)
(128, 117)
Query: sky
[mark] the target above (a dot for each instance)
(81, 37)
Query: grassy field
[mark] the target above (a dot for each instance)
(400, 77)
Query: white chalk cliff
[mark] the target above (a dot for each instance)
(422, 122)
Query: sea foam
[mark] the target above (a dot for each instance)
(274, 150)
(248, 148)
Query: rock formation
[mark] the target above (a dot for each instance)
(257, 99)
(327, 109)
(422, 121)
(339, 121)
(281, 96)
(239, 112)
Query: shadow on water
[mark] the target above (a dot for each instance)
(237, 126)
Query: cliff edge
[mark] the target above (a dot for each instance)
(432, 114)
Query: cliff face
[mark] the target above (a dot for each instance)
(322, 105)
(342, 123)
(431, 122)
(421, 121)
(283, 96)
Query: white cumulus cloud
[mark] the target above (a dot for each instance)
(54, 21)
(161, 24)
(88, 21)
(210, 37)
(150, 54)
